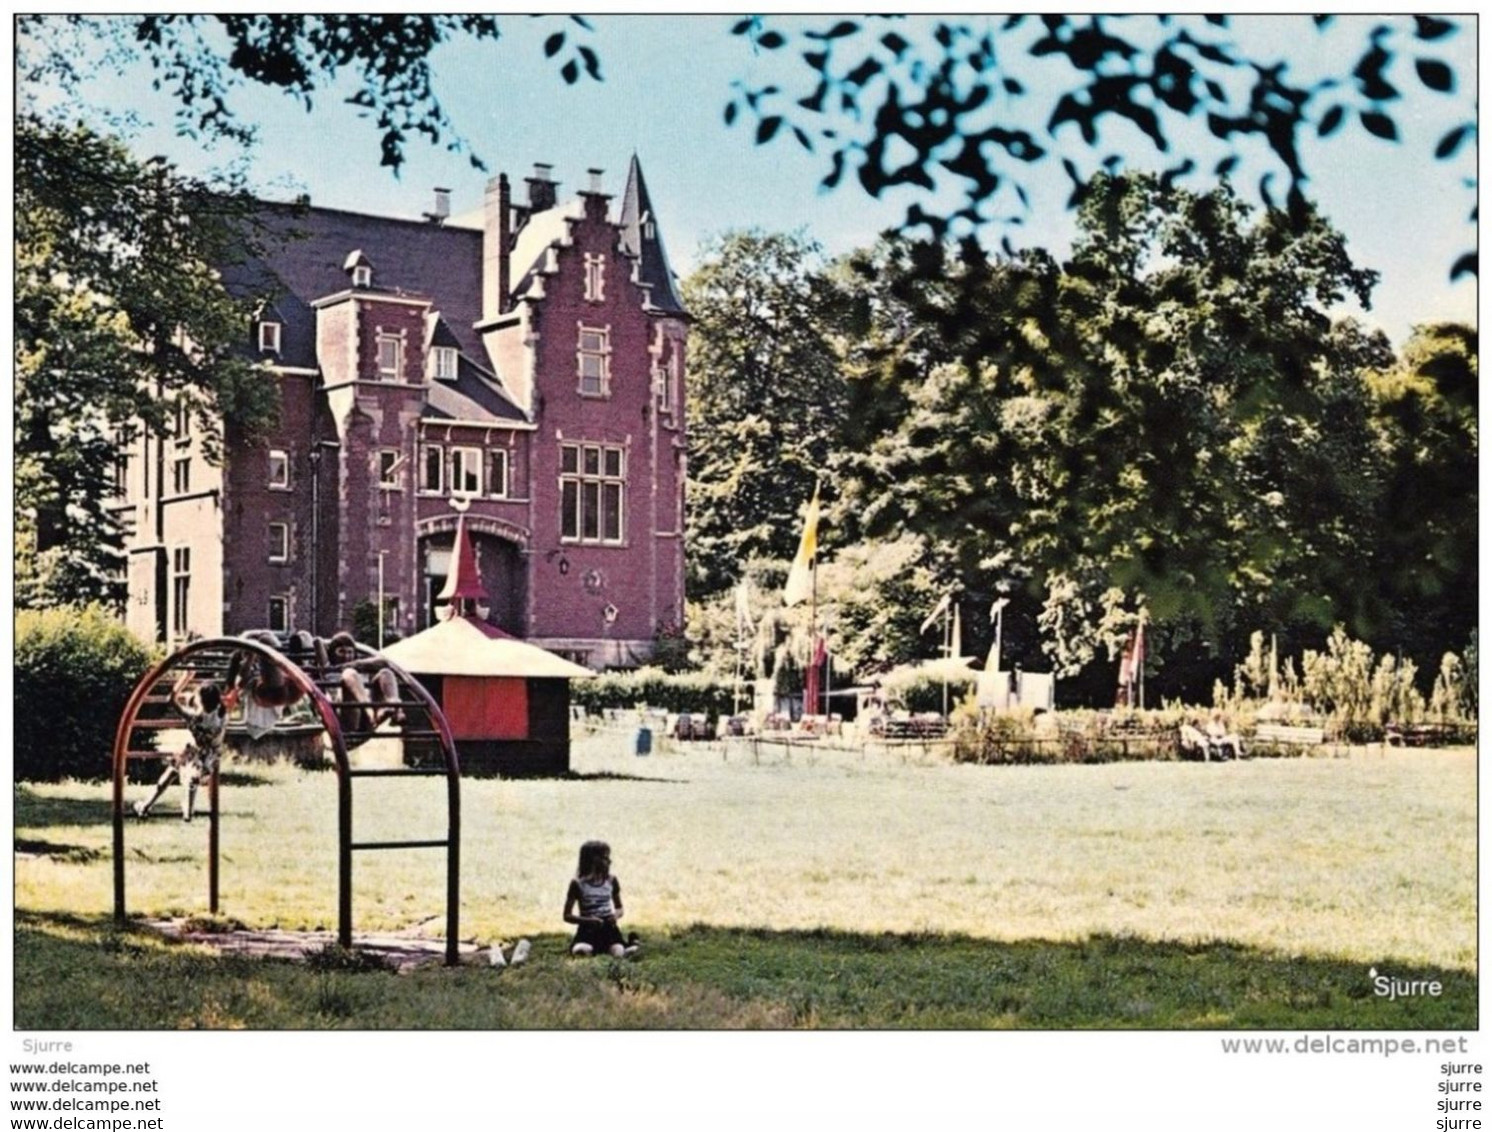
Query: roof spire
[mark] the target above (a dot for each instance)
(463, 588)
(640, 237)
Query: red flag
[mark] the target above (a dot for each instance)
(811, 679)
(1131, 664)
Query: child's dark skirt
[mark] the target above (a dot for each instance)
(600, 936)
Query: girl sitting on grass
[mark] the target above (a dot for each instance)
(598, 896)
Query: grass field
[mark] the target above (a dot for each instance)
(822, 888)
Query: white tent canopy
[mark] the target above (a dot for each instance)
(465, 646)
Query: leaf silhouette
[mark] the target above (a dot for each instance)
(1380, 125)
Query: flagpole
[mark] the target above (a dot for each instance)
(947, 651)
(813, 622)
(828, 669)
(1140, 659)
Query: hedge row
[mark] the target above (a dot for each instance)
(652, 687)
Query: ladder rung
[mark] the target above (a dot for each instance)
(399, 844)
(350, 735)
(396, 771)
(160, 724)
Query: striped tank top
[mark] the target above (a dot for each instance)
(595, 897)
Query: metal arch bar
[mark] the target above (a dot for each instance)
(122, 752)
(453, 815)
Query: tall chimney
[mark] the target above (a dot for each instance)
(442, 204)
(495, 209)
(542, 190)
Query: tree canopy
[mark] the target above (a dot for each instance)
(765, 398)
(959, 105)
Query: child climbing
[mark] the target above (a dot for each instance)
(200, 757)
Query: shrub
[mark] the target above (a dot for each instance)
(919, 687)
(1345, 688)
(1020, 737)
(75, 669)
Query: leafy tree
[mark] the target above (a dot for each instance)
(765, 397)
(1426, 413)
(1170, 419)
(120, 317)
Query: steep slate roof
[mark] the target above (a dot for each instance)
(637, 211)
(302, 257)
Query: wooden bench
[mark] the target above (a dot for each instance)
(1285, 735)
(901, 725)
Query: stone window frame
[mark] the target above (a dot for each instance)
(602, 355)
(499, 486)
(181, 474)
(426, 451)
(279, 542)
(279, 482)
(396, 373)
(181, 590)
(390, 469)
(473, 460)
(595, 278)
(181, 427)
(283, 600)
(583, 481)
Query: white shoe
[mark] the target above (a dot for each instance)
(141, 811)
(582, 949)
(520, 952)
(495, 956)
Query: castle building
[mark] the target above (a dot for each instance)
(524, 364)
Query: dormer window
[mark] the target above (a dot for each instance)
(443, 361)
(269, 337)
(361, 270)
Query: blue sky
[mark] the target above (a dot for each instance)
(667, 79)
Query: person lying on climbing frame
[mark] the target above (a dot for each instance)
(200, 757)
(362, 698)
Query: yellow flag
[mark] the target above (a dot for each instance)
(800, 577)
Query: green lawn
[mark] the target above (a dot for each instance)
(825, 889)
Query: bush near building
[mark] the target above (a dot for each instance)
(75, 669)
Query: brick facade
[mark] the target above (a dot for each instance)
(525, 363)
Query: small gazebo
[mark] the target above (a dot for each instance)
(507, 701)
